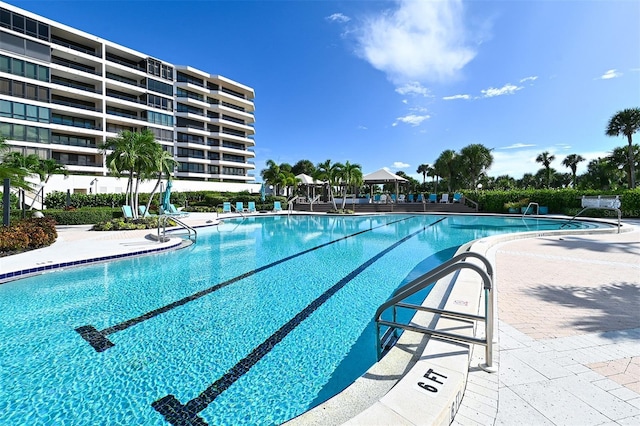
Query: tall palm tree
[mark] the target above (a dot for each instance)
(423, 169)
(351, 177)
(475, 160)
(163, 164)
(433, 174)
(329, 173)
(446, 165)
(545, 158)
(626, 123)
(571, 161)
(131, 154)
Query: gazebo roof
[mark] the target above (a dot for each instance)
(308, 180)
(382, 176)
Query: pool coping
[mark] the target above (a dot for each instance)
(389, 392)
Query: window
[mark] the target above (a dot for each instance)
(21, 24)
(159, 102)
(162, 134)
(184, 137)
(21, 111)
(160, 87)
(181, 93)
(157, 68)
(73, 121)
(190, 109)
(158, 118)
(193, 153)
(19, 132)
(190, 167)
(27, 69)
(185, 78)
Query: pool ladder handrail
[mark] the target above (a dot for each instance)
(290, 203)
(162, 222)
(530, 205)
(587, 203)
(454, 264)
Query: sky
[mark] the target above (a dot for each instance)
(394, 83)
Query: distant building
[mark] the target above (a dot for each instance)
(63, 92)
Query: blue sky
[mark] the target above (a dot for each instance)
(394, 83)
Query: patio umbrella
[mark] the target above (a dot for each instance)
(166, 200)
(262, 195)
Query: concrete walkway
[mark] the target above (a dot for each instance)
(569, 334)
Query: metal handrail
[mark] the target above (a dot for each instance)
(313, 201)
(531, 205)
(291, 201)
(453, 265)
(586, 202)
(162, 221)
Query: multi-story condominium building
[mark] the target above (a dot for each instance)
(64, 92)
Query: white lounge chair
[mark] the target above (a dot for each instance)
(445, 198)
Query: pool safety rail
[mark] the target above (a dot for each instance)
(530, 208)
(611, 202)
(454, 264)
(162, 224)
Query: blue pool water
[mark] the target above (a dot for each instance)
(259, 321)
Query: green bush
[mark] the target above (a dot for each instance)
(120, 224)
(27, 234)
(559, 201)
(83, 216)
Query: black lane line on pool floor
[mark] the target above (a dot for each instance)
(98, 338)
(187, 415)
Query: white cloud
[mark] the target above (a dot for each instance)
(449, 98)
(418, 41)
(338, 17)
(610, 74)
(507, 89)
(532, 78)
(361, 127)
(400, 165)
(517, 146)
(412, 119)
(413, 88)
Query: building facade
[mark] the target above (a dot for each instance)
(64, 92)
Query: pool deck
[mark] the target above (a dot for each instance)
(568, 310)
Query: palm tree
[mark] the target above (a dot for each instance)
(329, 173)
(131, 154)
(351, 176)
(446, 165)
(433, 174)
(475, 160)
(545, 158)
(289, 181)
(423, 169)
(164, 164)
(626, 123)
(17, 175)
(571, 161)
(273, 175)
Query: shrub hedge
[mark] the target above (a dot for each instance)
(27, 234)
(120, 224)
(83, 216)
(559, 201)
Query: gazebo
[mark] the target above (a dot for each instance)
(308, 181)
(383, 176)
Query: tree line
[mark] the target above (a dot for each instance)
(467, 168)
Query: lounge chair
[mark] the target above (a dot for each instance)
(173, 211)
(127, 212)
(457, 197)
(383, 199)
(251, 206)
(445, 198)
(411, 198)
(276, 206)
(226, 207)
(376, 198)
(143, 211)
(401, 198)
(239, 206)
(420, 198)
(393, 198)
(433, 198)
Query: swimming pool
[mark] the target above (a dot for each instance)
(259, 321)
